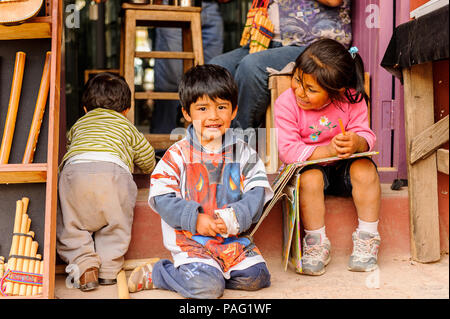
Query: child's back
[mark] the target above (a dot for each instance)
(96, 188)
(109, 132)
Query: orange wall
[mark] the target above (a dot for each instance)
(413, 4)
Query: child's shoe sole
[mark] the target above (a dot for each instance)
(318, 272)
(140, 278)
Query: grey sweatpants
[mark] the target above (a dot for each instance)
(97, 202)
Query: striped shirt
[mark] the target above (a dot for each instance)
(110, 132)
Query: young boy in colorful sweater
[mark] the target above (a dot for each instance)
(208, 189)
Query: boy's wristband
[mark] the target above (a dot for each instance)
(229, 217)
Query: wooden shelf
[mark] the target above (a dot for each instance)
(41, 177)
(35, 28)
(165, 55)
(156, 96)
(162, 141)
(160, 7)
(23, 173)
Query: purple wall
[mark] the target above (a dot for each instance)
(372, 30)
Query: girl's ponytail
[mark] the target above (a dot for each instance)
(335, 68)
(358, 79)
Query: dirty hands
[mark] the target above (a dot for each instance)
(210, 226)
(347, 144)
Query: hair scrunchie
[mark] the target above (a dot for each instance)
(353, 51)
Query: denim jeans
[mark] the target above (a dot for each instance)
(201, 281)
(168, 72)
(249, 71)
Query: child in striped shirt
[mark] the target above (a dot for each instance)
(97, 192)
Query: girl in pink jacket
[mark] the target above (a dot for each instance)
(328, 85)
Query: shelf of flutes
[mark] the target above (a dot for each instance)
(24, 273)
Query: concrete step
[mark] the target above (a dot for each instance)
(396, 278)
(341, 221)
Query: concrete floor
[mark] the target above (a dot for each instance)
(397, 278)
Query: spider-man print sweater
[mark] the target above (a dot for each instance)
(190, 180)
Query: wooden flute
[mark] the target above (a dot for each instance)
(13, 106)
(38, 113)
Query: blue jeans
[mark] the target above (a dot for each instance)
(249, 71)
(168, 72)
(201, 281)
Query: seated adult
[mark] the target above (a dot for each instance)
(298, 23)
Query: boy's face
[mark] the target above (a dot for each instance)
(210, 119)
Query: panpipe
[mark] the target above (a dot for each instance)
(23, 274)
(258, 29)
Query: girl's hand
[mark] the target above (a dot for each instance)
(347, 144)
(206, 225)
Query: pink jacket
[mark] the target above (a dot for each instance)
(301, 131)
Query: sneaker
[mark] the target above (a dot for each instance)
(315, 255)
(365, 251)
(141, 278)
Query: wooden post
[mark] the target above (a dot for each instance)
(129, 49)
(422, 175)
(122, 286)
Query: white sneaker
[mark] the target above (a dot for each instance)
(315, 255)
(365, 251)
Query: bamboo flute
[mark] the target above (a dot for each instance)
(38, 113)
(34, 248)
(10, 123)
(15, 243)
(37, 269)
(23, 287)
(41, 272)
(20, 251)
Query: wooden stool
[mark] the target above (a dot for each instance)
(186, 18)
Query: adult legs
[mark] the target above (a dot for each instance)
(252, 79)
(212, 30)
(168, 72)
(231, 60)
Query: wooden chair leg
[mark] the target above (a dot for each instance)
(197, 44)
(130, 43)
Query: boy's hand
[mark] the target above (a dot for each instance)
(206, 225)
(221, 226)
(347, 144)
